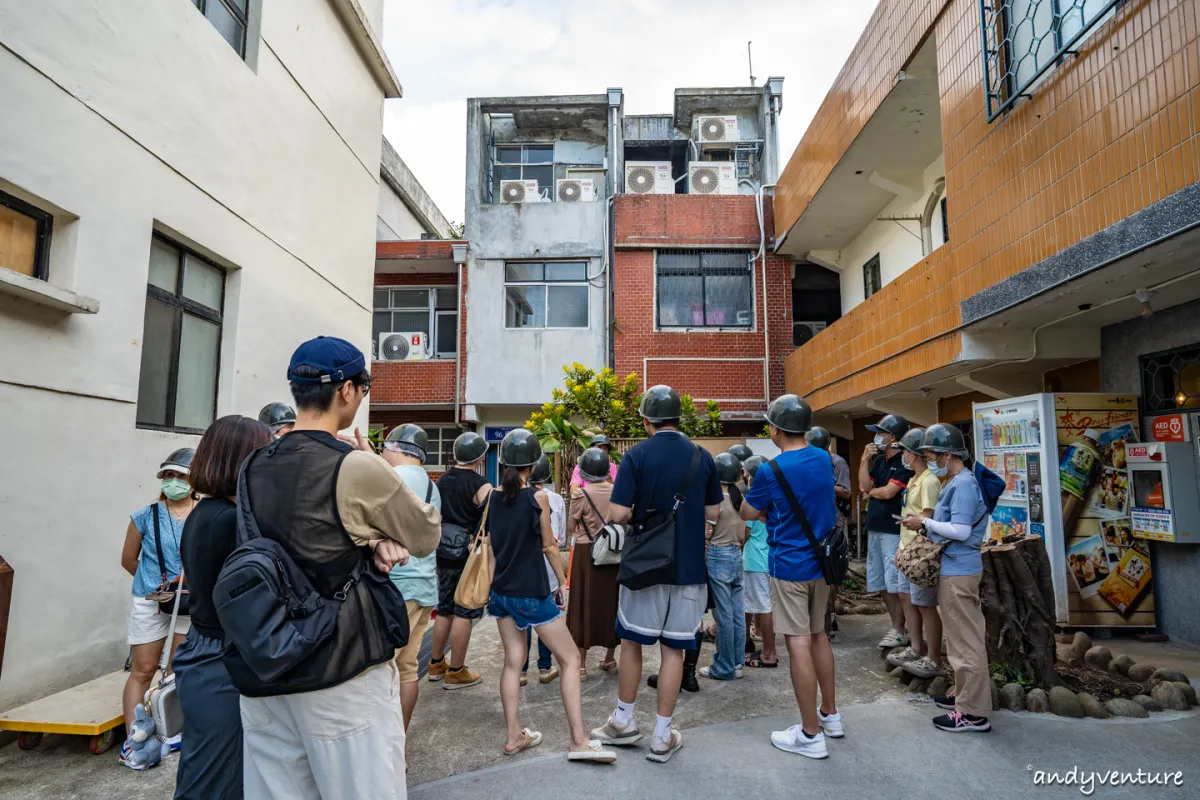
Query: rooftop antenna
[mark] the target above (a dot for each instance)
(750, 58)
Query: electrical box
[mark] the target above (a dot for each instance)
(1164, 505)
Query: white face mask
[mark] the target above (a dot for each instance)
(879, 440)
(939, 472)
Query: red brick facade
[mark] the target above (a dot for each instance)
(721, 365)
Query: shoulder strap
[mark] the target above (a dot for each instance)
(592, 503)
(162, 565)
(681, 495)
(797, 511)
(428, 491)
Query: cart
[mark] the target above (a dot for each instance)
(90, 709)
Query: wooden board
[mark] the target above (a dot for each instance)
(86, 710)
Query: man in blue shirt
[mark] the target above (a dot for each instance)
(799, 593)
(650, 476)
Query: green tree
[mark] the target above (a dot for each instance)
(711, 425)
(590, 402)
(690, 422)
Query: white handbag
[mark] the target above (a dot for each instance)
(608, 543)
(162, 702)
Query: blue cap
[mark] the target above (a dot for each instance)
(335, 359)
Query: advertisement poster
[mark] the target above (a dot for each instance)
(1100, 593)
(1007, 520)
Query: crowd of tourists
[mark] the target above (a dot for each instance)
(299, 679)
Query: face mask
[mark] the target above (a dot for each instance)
(176, 488)
(907, 462)
(879, 440)
(939, 472)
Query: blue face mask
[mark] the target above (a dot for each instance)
(939, 472)
(879, 440)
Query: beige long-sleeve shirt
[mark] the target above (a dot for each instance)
(375, 503)
(583, 522)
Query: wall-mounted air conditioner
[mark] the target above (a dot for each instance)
(802, 332)
(401, 346)
(712, 177)
(717, 130)
(575, 190)
(520, 192)
(648, 177)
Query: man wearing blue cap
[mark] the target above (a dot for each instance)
(332, 726)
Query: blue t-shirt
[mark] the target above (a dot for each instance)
(961, 501)
(754, 552)
(809, 472)
(417, 580)
(148, 576)
(647, 480)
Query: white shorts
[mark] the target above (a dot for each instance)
(758, 592)
(147, 624)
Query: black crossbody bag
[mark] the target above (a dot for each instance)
(834, 553)
(648, 557)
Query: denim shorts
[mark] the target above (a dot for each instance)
(920, 595)
(527, 612)
(882, 573)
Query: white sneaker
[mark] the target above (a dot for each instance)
(737, 672)
(794, 740)
(894, 638)
(902, 657)
(831, 725)
(661, 750)
(612, 733)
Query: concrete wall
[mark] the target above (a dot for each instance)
(395, 221)
(125, 119)
(1175, 565)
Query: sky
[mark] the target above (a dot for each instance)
(445, 51)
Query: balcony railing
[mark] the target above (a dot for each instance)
(1022, 39)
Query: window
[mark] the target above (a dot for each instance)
(704, 289)
(871, 279)
(553, 294)
(432, 311)
(181, 340)
(439, 453)
(1171, 380)
(229, 17)
(530, 162)
(24, 237)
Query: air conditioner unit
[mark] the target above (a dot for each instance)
(717, 130)
(520, 192)
(803, 332)
(400, 346)
(575, 190)
(712, 177)
(648, 177)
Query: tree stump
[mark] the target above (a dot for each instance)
(1017, 599)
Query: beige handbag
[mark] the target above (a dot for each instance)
(475, 583)
(921, 561)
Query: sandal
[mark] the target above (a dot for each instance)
(708, 635)
(755, 660)
(608, 666)
(532, 739)
(583, 673)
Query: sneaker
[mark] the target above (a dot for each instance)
(612, 733)
(595, 752)
(831, 725)
(175, 743)
(524, 678)
(923, 667)
(945, 702)
(438, 670)
(894, 638)
(738, 672)
(461, 678)
(547, 675)
(902, 657)
(661, 750)
(795, 740)
(126, 758)
(955, 722)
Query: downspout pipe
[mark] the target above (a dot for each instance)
(460, 259)
(762, 254)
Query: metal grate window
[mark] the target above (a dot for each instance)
(1171, 380)
(1022, 39)
(704, 289)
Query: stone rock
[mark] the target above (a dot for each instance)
(995, 695)
(1147, 702)
(918, 685)
(1189, 691)
(1079, 647)
(1037, 701)
(1124, 707)
(898, 672)
(1141, 672)
(1169, 675)
(1064, 703)
(1091, 706)
(1120, 664)
(1169, 696)
(1012, 697)
(938, 687)
(1098, 657)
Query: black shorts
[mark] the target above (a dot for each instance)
(448, 575)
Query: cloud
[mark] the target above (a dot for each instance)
(448, 50)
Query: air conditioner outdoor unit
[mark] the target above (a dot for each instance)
(575, 190)
(805, 331)
(401, 346)
(520, 192)
(712, 177)
(717, 130)
(648, 177)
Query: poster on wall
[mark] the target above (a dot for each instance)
(1109, 576)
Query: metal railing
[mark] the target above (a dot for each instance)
(1022, 39)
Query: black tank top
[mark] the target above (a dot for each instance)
(517, 542)
(458, 488)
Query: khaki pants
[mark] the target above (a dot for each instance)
(962, 620)
(341, 742)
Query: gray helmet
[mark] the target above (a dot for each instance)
(520, 448)
(541, 470)
(943, 438)
(740, 452)
(818, 437)
(790, 413)
(911, 440)
(892, 423)
(410, 439)
(594, 464)
(273, 414)
(599, 439)
(469, 447)
(751, 465)
(180, 461)
(660, 403)
(729, 468)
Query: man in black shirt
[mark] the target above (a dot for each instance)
(882, 477)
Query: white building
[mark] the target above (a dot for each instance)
(188, 189)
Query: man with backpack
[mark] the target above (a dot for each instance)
(793, 494)
(337, 519)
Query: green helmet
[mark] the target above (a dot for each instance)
(520, 448)
(750, 466)
(818, 437)
(469, 447)
(660, 403)
(594, 464)
(943, 438)
(274, 414)
(729, 468)
(740, 452)
(911, 440)
(541, 470)
(790, 413)
(598, 440)
(179, 461)
(410, 439)
(892, 423)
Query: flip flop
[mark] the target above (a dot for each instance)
(532, 739)
(756, 661)
(608, 666)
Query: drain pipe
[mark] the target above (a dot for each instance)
(762, 254)
(460, 261)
